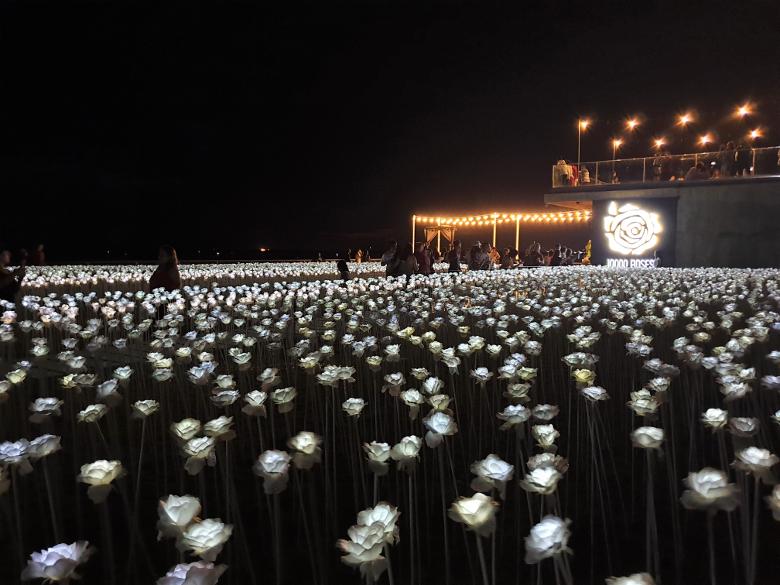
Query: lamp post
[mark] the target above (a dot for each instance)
(616, 142)
(754, 135)
(582, 125)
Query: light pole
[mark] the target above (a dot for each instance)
(582, 125)
(754, 135)
(616, 142)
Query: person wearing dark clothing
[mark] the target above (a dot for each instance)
(434, 254)
(669, 166)
(10, 280)
(726, 160)
(405, 262)
(167, 274)
(697, 173)
(533, 256)
(343, 269)
(507, 259)
(557, 256)
(742, 161)
(39, 256)
(423, 259)
(484, 256)
(453, 257)
(473, 258)
(388, 256)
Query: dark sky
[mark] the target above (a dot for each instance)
(325, 125)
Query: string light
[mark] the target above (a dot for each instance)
(705, 139)
(498, 218)
(659, 142)
(631, 124)
(756, 133)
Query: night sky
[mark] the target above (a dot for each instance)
(322, 126)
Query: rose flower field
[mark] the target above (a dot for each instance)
(268, 423)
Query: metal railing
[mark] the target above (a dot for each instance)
(718, 165)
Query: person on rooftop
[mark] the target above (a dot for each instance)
(697, 173)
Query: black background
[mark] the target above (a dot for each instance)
(322, 126)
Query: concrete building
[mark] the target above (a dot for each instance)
(732, 222)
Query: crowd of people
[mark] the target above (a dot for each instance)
(166, 275)
(403, 261)
(397, 260)
(731, 160)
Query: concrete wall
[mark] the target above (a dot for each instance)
(731, 223)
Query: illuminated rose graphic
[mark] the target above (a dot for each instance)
(630, 229)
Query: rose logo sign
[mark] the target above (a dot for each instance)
(631, 230)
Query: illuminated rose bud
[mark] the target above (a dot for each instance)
(492, 472)
(273, 466)
(58, 563)
(353, 406)
(709, 489)
(206, 538)
(98, 476)
(477, 513)
(197, 573)
(647, 438)
(547, 539)
(175, 514)
(305, 447)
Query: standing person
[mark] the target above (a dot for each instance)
(484, 256)
(473, 259)
(495, 256)
(343, 269)
(742, 160)
(406, 262)
(434, 255)
(24, 257)
(726, 160)
(388, 256)
(533, 256)
(38, 256)
(562, 174)
(507, 259)
(10, 280)
(556, 257)
(453, 257)
(359, 256)
(657, 167)
(167, 275)
(423, 257)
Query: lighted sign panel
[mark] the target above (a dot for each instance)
(632, 232)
